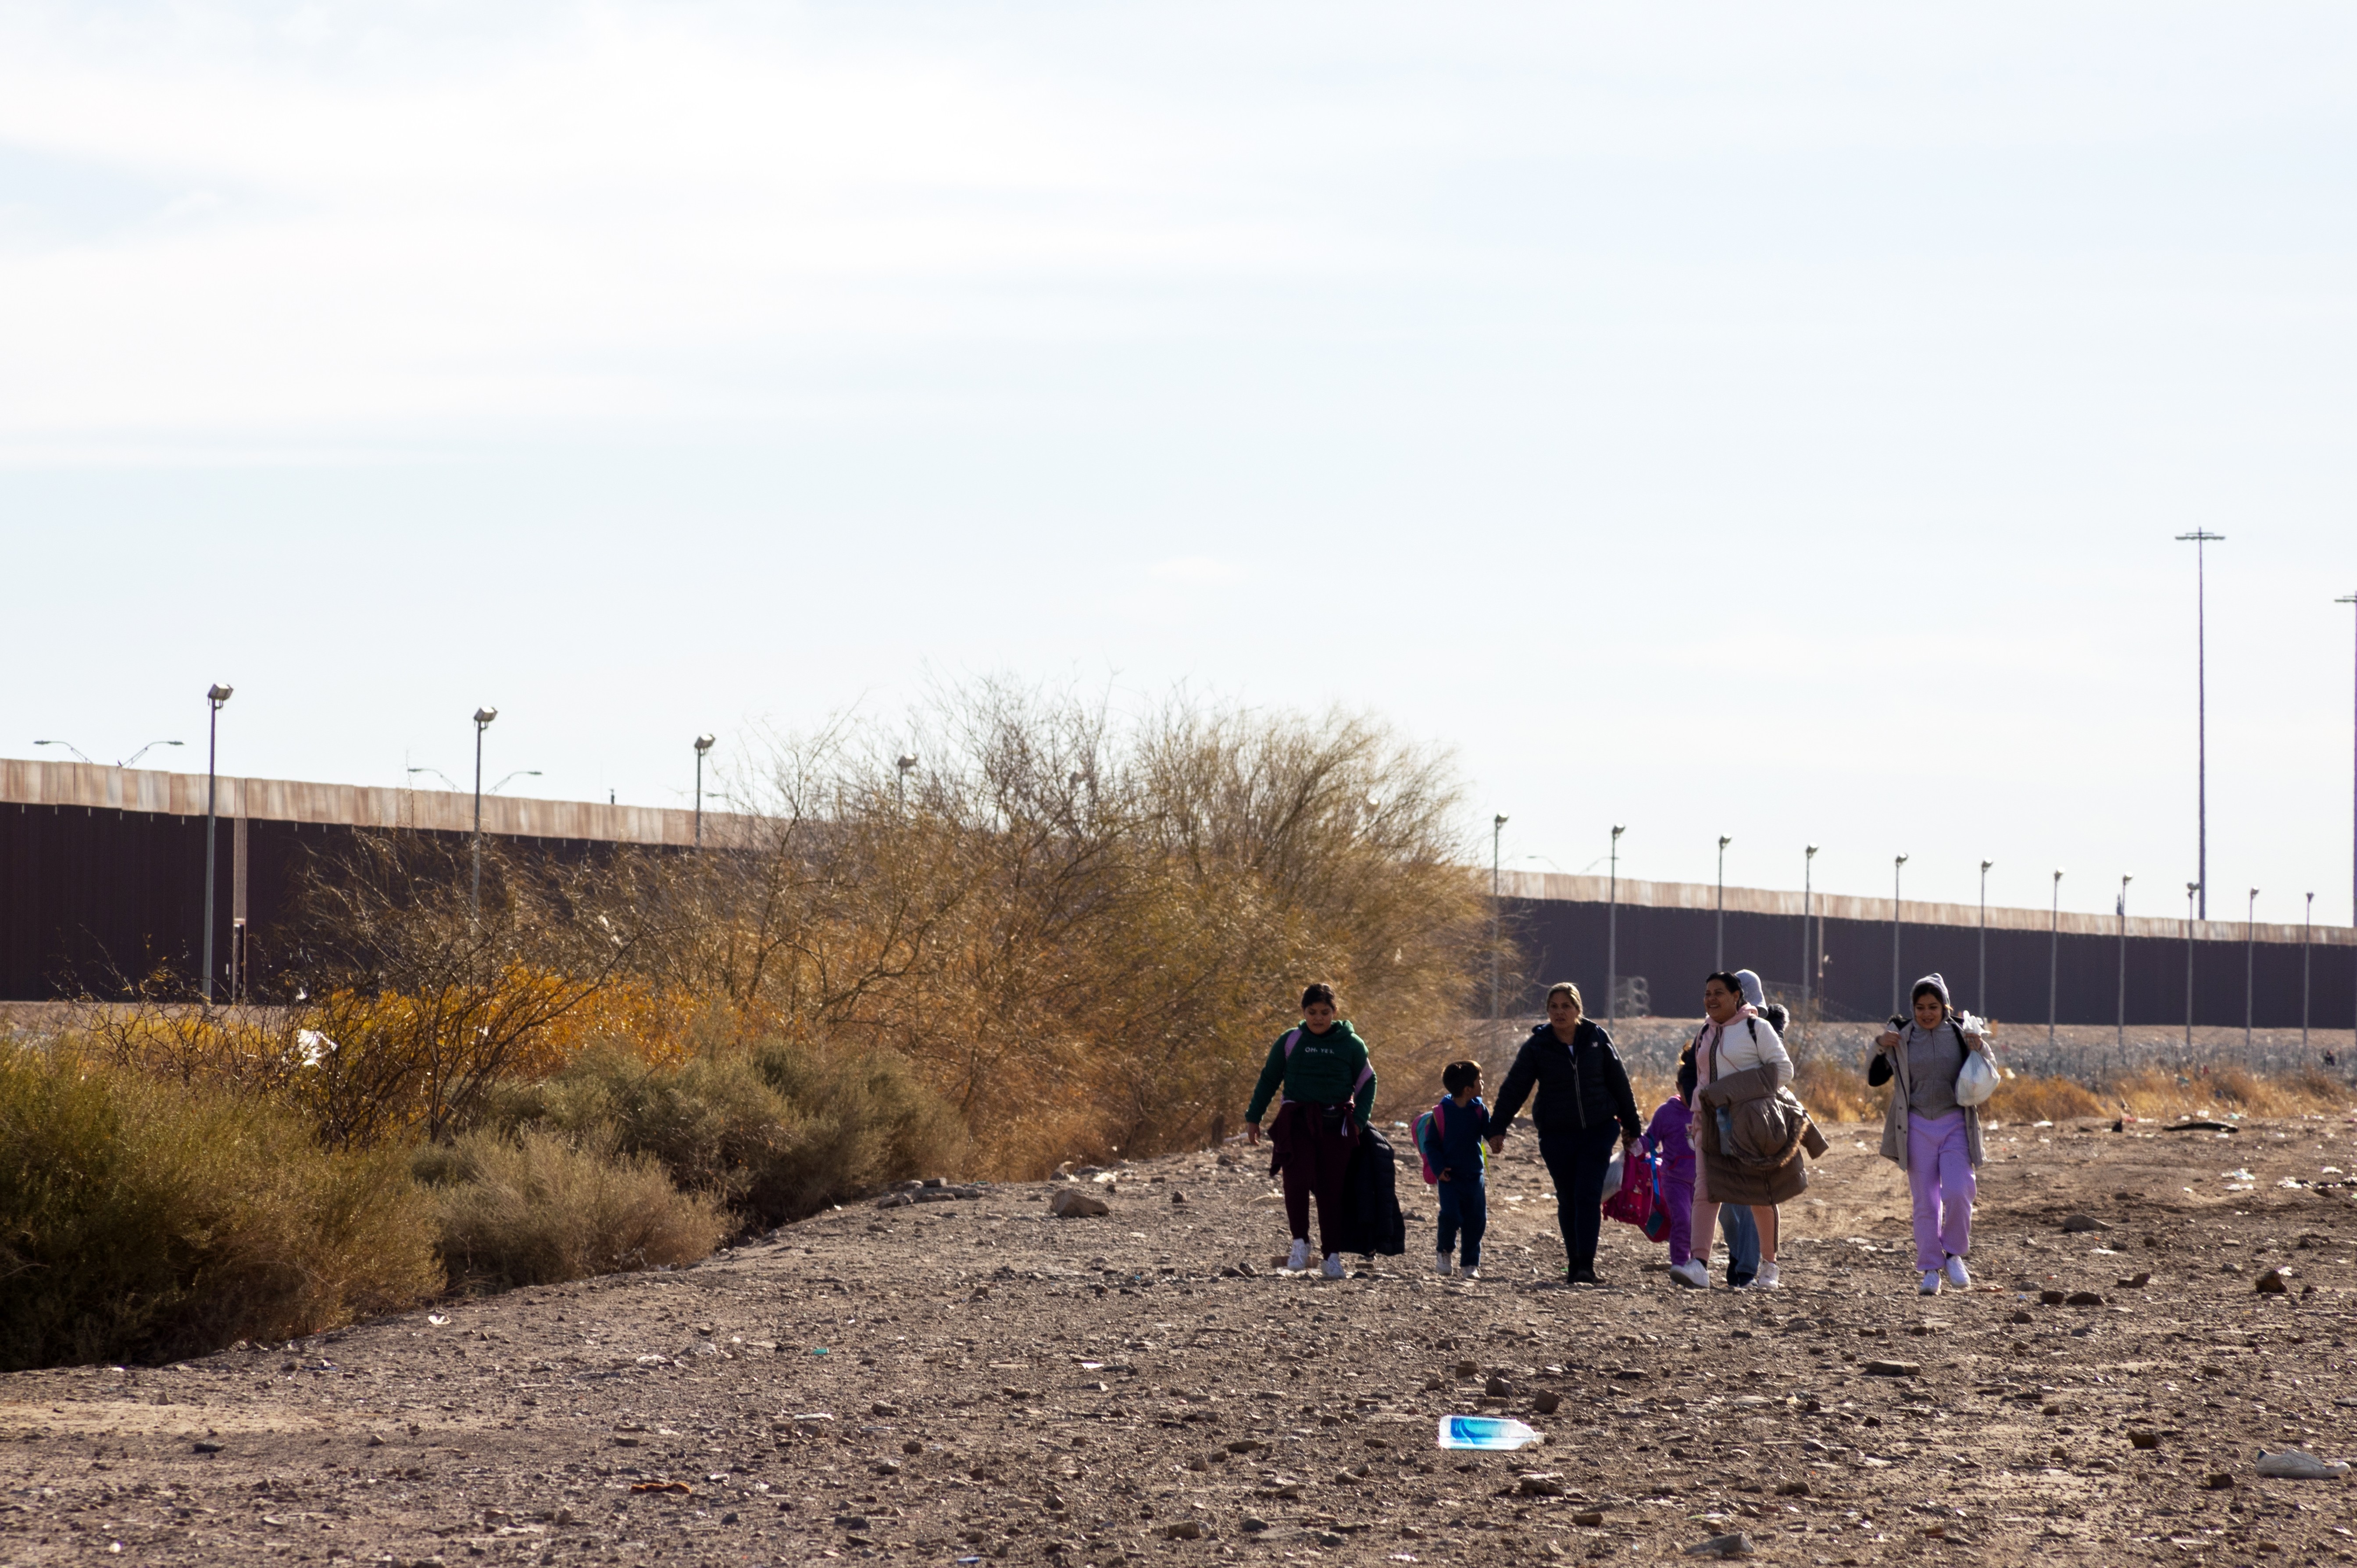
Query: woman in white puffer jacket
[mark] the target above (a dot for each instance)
(1734, 1039)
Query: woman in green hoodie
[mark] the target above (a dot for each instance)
(1329, 1092)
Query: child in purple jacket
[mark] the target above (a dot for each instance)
(1668, 1132)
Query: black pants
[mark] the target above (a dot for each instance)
(1576, 1159)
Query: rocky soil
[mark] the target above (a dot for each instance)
(974, 1380)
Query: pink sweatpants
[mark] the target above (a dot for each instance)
(1940, 1173)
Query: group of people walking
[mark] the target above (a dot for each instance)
(1728, 1143)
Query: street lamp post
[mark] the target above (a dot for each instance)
(1612, 927)
(214, 697)
(2351, 599)
(2190, 889)
(1985, 871)
(2053, 954)
(2250, 958)
(483, 717)
(1497, 892)
(903, 762)
(2306, 936)
(1719, 960)
(703, 745)
(1808, 909)
(2200, 539)
(2122, 909)
(1897, 982)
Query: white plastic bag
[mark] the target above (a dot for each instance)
(1977, 1080)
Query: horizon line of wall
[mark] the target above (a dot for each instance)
(95, 787)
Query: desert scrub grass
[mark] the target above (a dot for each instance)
(143, 1221)
(775, 1132)
(1833, 1092)
(538, 1208)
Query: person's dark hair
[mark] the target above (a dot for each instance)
(1317, 991)
(1689, 1074)
(1777, 1015)
(1733, 985)
(1460, 1075)
(1925, 988)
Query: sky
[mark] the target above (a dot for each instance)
(1716, 419)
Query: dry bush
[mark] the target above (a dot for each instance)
(2042, 1099)
(1084, 934)
(537, 1208)
(1833, 1092)
(143, 1219)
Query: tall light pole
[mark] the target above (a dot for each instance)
(2053, 953)
(1719, 960)
(2122, 908)
(483, 717)
(1612, 927)
(1898, 981)
(904, 762)
(2190, 889)
(2307, 936)
(2250, 958)
(1808, 908)
(2200, 539)
(1984, 998)
(703, 745)
(214, 697)
(1497, 894)
(2351, 599)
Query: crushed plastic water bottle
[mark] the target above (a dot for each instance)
(1486, 1431)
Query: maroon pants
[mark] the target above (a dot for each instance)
(1314, 1158)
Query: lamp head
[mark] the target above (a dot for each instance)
(1987, 863)
(486, 714)
(1810, 852)
(1497, 822)
(1620, 828)
(906, 762)
(703, 744)
(217, 695)
(1723, 839)
(1898, 860)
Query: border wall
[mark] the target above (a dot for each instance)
(1667, 936)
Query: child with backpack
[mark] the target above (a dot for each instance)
(1671, 1145)
(1449, 1136)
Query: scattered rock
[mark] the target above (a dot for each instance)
(2054, 1297)
(1792, 1488)
(204, 1445)
(2275, 1281)
(1735, 1545)
(1546, 1401)
(2138, 1281)
(2144, 1439)
(1070, 1203)
(2199, 1126)
(2221, 1482)
(1185, 1530)
(1177, 1199)
(2082, 1298)
(1538, 1486)
(2021, 1315)
(2230, 1267)
(2079, 1224)
(1592, 1518)
(1892, 1369)
(1498, 1387)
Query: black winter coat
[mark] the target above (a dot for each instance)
(1372, 1220)
(1580, 1085)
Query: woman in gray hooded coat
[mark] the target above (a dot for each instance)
(1933, 1137)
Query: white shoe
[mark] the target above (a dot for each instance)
(1333, 1269)
(1299, 1258)
(1957, 1274)
(1472, 1274)
(1766, 1278)
(1931, 1286)
(1692, 1274)
(1443, 1264)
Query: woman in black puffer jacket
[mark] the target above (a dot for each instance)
(1583, 1100)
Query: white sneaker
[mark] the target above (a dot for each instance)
(1443, 1264)
(1766, 1278)
(1931, 1286)
(1299, 1258)
(1472, 1274)
(1957, 1274)
(1692, 1274)
(1333, 1269)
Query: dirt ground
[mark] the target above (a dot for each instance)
(972, 1380)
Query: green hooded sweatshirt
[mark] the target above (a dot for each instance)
(1322, 1068)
